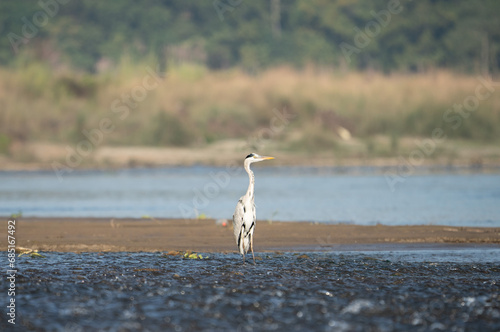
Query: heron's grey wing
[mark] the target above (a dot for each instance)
(238, 219)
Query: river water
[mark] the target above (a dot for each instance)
(442, 290)
(365, 288)
(339, 195)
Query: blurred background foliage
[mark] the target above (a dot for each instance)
(89, 35)
(227, 69)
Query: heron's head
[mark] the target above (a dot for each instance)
(253, 158)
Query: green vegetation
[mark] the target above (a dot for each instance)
(16, 215)
(390, 34)
(232, 104)
(90, 71)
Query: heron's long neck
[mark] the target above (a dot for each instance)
(250, 191)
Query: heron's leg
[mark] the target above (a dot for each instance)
(251, 247)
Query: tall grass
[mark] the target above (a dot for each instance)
(194, 106)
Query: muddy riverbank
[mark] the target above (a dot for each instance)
(150, 235)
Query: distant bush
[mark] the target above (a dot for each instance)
(196, 106)
(4, 143)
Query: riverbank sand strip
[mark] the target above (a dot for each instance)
(150, 235)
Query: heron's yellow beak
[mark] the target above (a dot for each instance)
(267, 158)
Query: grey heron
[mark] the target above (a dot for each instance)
(244, 214)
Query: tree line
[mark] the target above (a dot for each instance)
(384, 35)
